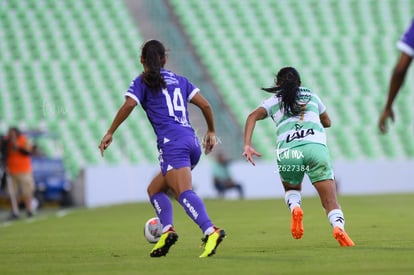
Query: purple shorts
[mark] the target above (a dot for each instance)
(182, 152)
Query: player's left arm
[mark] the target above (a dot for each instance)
(323, 114)
(325, 119)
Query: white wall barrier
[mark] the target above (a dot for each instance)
(106, 185)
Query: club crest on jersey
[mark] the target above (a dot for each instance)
(299, 134)
(298, 126)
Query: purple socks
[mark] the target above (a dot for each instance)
(195, 209)
(192, 204)
(162, 205)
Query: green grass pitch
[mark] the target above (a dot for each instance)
(109, 240)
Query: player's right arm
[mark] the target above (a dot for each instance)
(258, 114)
(121, 115)
(406, 46)
(209, 140)
(397, 79)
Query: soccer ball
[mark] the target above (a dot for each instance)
(153, 230)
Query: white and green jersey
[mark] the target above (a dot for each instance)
(296, 130)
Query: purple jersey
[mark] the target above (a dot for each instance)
(406, 42)
(166, 109)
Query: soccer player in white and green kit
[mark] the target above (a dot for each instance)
(300, 118)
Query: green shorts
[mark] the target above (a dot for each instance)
(311, 158)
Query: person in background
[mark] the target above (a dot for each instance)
(19, 167)
(300, 118)
(406, 46)
(164, 96)
(222, 177)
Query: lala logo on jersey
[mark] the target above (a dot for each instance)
(299, 134)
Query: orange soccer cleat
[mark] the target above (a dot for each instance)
(343, 238)
(296, 226)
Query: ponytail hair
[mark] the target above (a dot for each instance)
(153, 58)
(287, 88)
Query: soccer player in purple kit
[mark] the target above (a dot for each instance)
(164, 96)
(406, 46)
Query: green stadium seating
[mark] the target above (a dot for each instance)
(64, 66)
(344, 51)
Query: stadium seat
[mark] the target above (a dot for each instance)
(62, 62)
(331, 44)
(65, 62)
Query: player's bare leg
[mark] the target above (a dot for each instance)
(327, 193)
